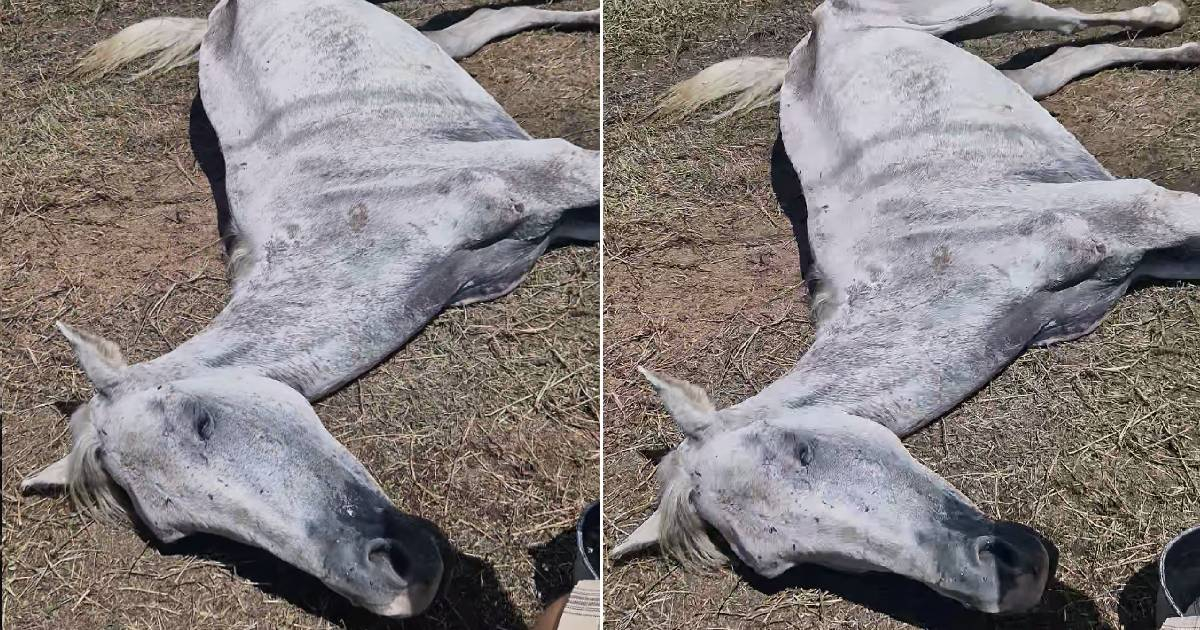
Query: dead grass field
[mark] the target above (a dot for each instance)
(487, 424)
(1096, 443)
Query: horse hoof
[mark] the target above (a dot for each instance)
(1168, 14)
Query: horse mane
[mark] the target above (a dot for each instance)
(89, 486)
(237, 259)
(820, 295)
(682, 534)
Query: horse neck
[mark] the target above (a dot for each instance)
(902, 377)
(314, 348)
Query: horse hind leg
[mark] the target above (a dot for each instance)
(1009, 16)
(465, 38)
(1069, 63)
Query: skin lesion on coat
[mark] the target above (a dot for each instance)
(357, 217)
(941, 258)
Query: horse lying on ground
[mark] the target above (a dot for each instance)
(364, 183)
(946, 222)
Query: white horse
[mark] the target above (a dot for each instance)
(946, 223)
(364, 183)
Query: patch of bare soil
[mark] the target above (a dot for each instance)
(487, 424)
(1096, 443)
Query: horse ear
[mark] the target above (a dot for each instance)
(52, 478)
(55, 477)
(645, 536)
(688, 405)
(100, 358)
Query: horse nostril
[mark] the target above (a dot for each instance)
(1003, 553)
(1013, 566)
(1014, 548)
(388, 555)
(403, 574)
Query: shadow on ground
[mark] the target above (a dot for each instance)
(553, 566)
(913, 603)
(1138, 599)
(908, 601)
(470, 597)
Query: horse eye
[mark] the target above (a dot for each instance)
(204, 426)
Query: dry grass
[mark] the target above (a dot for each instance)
(487, 424)
(1096, 443)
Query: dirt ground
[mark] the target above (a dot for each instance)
(1096, 443)
(487, 424)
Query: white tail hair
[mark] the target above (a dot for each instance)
(757, 79)
(175, 40)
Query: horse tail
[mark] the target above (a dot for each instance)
(757, 79)
(173, 41)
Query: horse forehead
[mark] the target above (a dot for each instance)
(225, 391)
(242, 389)
(818, 423)
(228, 379)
